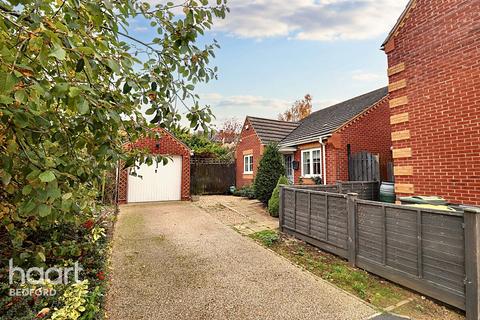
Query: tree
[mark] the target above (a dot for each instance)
(229, 131)
(72, 82)
(274, 202)
(269, 171)
(300, 110)
(202, 146)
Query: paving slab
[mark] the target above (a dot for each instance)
(176, 261)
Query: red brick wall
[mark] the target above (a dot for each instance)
(439, 45)
(169, 145)
(249, 143)
(369, 132)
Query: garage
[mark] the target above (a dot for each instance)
(158, 182)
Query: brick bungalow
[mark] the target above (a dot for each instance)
(158, 182)
(318, 147)
(434, 73)
(256, 134)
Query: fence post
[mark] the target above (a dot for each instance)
(281, 208)
(352, 228)
(472, 262)
(339, 187)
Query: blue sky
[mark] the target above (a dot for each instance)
(273, 52)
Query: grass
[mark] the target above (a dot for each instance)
(267, 237)
(376, 291)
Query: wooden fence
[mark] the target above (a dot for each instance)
(367, 190)
(433, 252)
(364, 166)
(211, 176)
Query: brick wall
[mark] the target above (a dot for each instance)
(249, 143)
(434, 72)
(168, 145)
(369, 132)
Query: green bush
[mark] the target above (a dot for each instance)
(274, 201)
(269, 171)
(246, 192)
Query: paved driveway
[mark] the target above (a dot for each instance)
(175, 261)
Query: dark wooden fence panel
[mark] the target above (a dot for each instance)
(211, 176)
(367, 190)
(364, 166)
(422, 249)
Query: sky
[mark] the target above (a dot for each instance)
(273, 52)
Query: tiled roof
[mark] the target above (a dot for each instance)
(269, 130)
(326, 121)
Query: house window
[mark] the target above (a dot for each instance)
(311, 163)
(248, 164)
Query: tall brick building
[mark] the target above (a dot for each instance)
(434, 72)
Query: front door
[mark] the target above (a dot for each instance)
(289, 167)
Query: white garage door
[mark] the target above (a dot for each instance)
(158, 182)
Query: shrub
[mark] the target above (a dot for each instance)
(274, 201)
(317, 180)
(246, 192)
(269, 171)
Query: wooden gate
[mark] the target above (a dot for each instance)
(211, 176)
(364, 166)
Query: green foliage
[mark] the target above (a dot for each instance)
(246, 191)
(267, 237)
(203, 146)
(269, 171)
(317, 180)
(74, 300)
(274, 201)
(72, 84)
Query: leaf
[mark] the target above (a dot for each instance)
(7, 82)
(82, 106)
(113, 65)
(80, 65)
(57, 52)
(44, 210)
(41, 256)
(67, 196)
(47, 176)
(126, 88)
(6, 177)
(74, 92)
(27, 190)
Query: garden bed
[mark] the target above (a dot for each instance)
(90, 246)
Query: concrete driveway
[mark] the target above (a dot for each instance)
(175, 261)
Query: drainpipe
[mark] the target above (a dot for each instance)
(324, 158)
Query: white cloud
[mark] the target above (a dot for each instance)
(240, 106)
(360, 75)
(311, 19)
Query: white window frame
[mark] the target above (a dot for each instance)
(310, 152)
(248, 164)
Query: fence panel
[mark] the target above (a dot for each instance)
(422, 249)
(364, 166)
(319, 218)
(211, 176)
